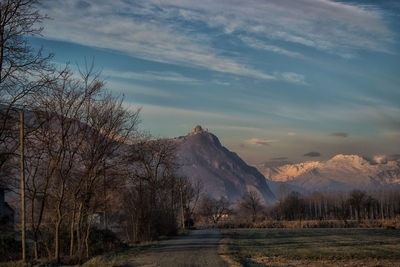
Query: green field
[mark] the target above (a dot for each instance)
(313, 247)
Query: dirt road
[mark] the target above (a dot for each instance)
(199, 248)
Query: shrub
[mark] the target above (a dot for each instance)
(101, 241)
(10, 249)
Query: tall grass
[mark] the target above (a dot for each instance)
(386, 224)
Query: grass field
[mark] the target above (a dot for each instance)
(313, 247)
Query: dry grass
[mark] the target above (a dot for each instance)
(314, 247)
(114, 258)
(376, 223)
(223, 251)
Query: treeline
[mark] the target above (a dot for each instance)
(354, 205)
(340, 209)
(84, 159)
(156, 200)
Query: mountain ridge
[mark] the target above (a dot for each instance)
(341, 172)
(222, 172)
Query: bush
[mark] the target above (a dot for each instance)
(10, 249)
(101, 241)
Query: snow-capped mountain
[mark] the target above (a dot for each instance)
(342, 172)
(222, 172)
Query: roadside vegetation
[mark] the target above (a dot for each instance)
(93, 182)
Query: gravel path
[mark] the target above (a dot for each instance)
(199, 248)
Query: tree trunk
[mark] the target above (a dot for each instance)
(57, 240)
(58, 224)
(182, 212)
(35, 248)
(72, 229)
(87, 237)
(33, 227)
(22, 186)
(78, 231)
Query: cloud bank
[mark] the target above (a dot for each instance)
(260, 142)
(339, 134)
(312, 154)
(167, 31)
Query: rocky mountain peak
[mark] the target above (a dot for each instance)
(347, 160)
(197, 130)
(201, 137)
(222, 172)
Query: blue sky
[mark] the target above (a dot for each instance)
(272, 79)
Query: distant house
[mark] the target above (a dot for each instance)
(97, 220)
(6, 212)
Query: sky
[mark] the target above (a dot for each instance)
(275, 80)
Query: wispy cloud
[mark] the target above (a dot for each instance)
(181, 112)
(125, 88)
(238, 146)
(244, 129)
(120, 26)
(277, 162)
(163, 31)
(260, 142)
(312, 154)
(257, 44)
(280, 158)
(221, 83)
(336, 27)
(151, 76)
(339, 134)
(291, 77)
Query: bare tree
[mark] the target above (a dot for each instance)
(213, 210)
(251, 203)
(283, 191)
(292, 207)
(368, 205)
(357, 198)
(62, 108)
(192, 191)
(108, 126)
(22, 70)
(154, 189)
(37, 182)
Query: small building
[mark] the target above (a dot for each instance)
(6, 212)
(97, 220)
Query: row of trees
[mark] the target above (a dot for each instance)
(156, 198)
(74, 133)
(83, 153)
(82, 150)
(355, 205)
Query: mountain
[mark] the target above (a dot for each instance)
(222, 172)
(342, 172)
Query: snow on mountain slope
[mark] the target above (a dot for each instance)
(222, 172)
(342, 172)
(289, 171)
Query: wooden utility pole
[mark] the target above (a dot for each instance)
(105, 196)
(183, 213)
(21, 136)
